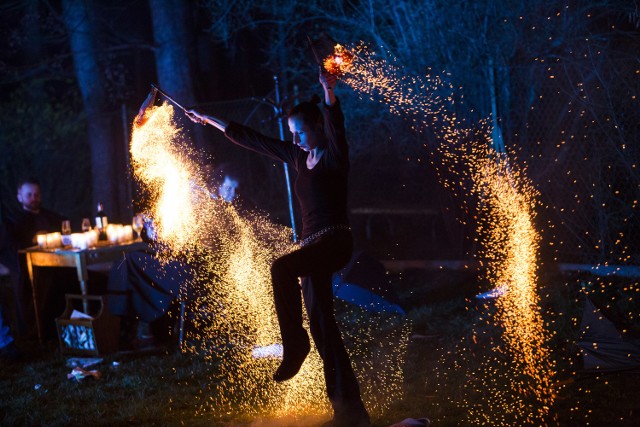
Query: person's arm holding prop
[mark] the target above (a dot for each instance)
(328, 82)
(204, 119)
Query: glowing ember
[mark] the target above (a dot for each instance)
(506, 231)
(339, 62)
(232, 320)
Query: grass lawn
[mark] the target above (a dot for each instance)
(167, 387)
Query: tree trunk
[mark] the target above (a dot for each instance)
(103, 142)
(173, 66)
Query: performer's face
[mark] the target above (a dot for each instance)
(304, 136)
(29, 196)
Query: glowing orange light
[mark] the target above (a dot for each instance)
(339, 62)
(506, 232)
(234, 313)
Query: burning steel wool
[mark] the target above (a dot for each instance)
(230, 305)
(339, 62)
(506, 232)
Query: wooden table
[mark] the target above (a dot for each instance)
(78, 258)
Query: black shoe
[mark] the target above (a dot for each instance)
(10, 353)
(292, 361)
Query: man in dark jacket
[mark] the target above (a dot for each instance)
(143, 287)
(21, 231)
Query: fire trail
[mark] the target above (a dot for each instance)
(472, 170)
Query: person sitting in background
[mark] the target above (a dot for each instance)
(21, 231)
(142, 288)
(32, 219)
(223, 180)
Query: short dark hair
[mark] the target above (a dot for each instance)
(308, 111)
(27, 180)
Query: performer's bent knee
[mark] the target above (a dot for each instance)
(280, 270)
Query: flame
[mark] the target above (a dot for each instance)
(168, 174)
(338, 62)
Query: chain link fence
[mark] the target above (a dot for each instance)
(579, 136)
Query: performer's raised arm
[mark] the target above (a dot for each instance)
(328, 82)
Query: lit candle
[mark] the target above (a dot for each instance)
(57, 239)
(78, 240)
(92, 237)
(42, 240)
(83, 243)
(128, 233)
(112, 233)
(120, 231)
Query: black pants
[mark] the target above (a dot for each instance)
(316, 264)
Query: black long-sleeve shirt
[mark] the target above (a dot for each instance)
(19, 232)
(322, 191)
(25, 225)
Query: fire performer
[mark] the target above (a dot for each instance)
(320, 155)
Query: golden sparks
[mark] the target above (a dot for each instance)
(338, 62)
(505, 200)
(229, 303)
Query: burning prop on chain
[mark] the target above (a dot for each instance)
(339, 62)
(143, 115)
(337, 59)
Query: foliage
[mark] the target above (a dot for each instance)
(560, 78)
(46, 142)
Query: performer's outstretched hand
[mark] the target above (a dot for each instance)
(196, 117)
(203, 119)
(327, 80)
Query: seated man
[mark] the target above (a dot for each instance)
(224, 180)
(21, 230)
(142, 287)
(32, 218)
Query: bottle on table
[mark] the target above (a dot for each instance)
(101, 222)
(66, 232)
